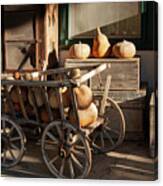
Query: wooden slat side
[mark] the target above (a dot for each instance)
(125, 72)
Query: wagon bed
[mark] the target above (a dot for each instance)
(59, 134)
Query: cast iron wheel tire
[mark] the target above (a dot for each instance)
(63, 147)
(13, 142)
(111, 133)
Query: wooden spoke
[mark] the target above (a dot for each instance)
(75, 139)
(11, 130)
(48, 142)
(15, 138)
(55, 158)
(4, 126)
(102, 140)
(59, 132)
(78, 153)
(76, 161)
(4, 156)
(62, 166)
(50, 147)
(95, 137)
(14, 146)
(109, 137)
(52, 137)
(72, 173)
(79, 147)
(112, 130)
(11, 153)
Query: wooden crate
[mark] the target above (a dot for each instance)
(125, 72)
(133, 104)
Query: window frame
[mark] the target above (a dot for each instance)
(147, 41)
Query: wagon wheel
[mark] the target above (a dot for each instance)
(112, 132)
(66, 151)
(13, 142)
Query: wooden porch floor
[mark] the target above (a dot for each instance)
(130, 161)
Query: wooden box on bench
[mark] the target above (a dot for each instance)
(125, 73)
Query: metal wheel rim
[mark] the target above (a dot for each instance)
(87, 151)
(121, 133)
(21, 137)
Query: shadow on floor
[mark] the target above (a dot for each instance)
(128, 162)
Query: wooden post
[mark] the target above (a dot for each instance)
(105, 95)
(51, 30)
(152, 128)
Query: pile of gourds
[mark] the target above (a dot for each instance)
(86, 109)
(26, 96)
(102, 48)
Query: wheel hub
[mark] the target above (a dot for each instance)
(63, 153)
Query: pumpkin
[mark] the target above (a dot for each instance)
(28, 76)
(101, 45)
(84, 96)
(86, 116)
(14, 94)
(6, 107)
(37, 96)
(53, 98)
(17, 75)
(32, 76)
(35, 76)
(79, 51)
(124, 49)
(44, 116)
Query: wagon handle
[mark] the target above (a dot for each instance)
(105, 95)
(92, 73)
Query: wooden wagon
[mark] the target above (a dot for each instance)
(66, 148)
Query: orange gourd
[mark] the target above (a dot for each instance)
(84, 96)
(44, 116)
(86, 116)
(14, 94)
(101, 45)
(53, 99)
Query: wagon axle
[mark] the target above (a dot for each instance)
(63, 153)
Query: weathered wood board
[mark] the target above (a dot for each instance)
(152, 127)
(125, 73)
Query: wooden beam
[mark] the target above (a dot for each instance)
(51, 30)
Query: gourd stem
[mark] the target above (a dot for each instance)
(98, 31)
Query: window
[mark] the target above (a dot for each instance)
(19, 37)
(139, 25)
(116, 19)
